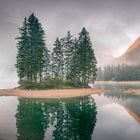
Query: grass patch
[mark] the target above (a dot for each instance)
(51, 84)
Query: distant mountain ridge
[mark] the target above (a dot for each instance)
(132, 54)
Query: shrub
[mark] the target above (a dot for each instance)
(51, 83)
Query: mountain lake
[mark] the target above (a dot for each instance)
(106, 116)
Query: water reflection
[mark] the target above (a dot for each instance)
(130, 102)
(30, 120)
(71, 119)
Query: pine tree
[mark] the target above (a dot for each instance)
(71, 60)
(47, 64)
(57, 63)
(37, 47)
(68, 53)
(85, 59)
(75, 65)
(31, 50)
(23, 53)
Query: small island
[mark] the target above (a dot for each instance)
(64, 71)
(50, 94)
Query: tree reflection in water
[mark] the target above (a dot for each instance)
(72, 119)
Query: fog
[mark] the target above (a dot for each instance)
(113, 26)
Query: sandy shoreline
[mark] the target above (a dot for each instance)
(132, 91)
(62, 93)
(50, 94)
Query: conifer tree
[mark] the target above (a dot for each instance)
(37, 47)
(57, 63)
(87, 58)
(74, 66)
(31, 50)
(23, 52)
(71, 60)
(85, 65)
(47, 64)
(68, 53)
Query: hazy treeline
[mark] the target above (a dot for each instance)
(119, 73)
(72, 59)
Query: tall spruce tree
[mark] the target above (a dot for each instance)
(57, 62)
(31, 50)
(23, 55)
(37, 47)
(84, 61)
(74, 66)
(47, 64)
(68, 45)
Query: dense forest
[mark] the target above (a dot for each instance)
(119, 73)
(72, 61)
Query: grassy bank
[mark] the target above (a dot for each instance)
(51, 84)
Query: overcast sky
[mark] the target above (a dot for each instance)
(113, 25)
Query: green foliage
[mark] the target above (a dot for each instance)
(68, 47)
(23, 54)
(26, 84)
(31, 55)
(51, 83)
(72, 62)
(57, 62)
(83, 67)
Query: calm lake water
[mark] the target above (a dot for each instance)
(113, 116)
